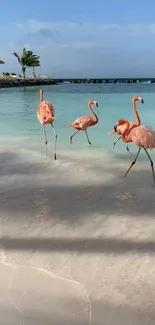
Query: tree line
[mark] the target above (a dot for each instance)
(27, 59)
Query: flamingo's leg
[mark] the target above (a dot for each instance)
(151, 162)
(116, 142)
(127, 148)
(73, 136)
(133, 162)
(87, 137)
(55, 146)
(45, 136)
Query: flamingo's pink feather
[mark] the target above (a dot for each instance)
(45, 110)
(143, 136)
(82, 123)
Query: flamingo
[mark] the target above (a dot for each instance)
(82, 123)
(121, 128)
(45, 115)
(142, 136)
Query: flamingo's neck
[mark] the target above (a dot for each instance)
(135, 112)
(91, 110)
(124, 133)
(41, 96)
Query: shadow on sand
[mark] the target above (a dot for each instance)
(83, 246)
(73, 202)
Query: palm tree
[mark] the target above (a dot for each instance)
(26, 59)
(22, 59)
(33, 63)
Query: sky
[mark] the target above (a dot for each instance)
(81, 38)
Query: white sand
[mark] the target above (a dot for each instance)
(77, 240)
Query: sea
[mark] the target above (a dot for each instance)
(20, 129)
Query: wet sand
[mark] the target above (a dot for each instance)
(77, 241)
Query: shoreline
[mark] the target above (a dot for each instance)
(104, 81)
(28, 82)
(10, 82)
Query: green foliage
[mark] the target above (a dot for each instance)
(5, 74)
(27, 59)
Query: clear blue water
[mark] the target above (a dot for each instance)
(20, 128)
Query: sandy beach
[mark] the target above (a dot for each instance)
(77, 246)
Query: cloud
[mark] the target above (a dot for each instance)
(81, 49)
(98, 30)
(43, 33)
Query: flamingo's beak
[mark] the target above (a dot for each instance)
(50, 119)
(96, 104)
(141, 100)
(112, 132)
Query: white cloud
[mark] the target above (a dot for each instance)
(75, 49)
(86, 28)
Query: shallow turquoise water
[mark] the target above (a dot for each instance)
(20, 128)
(18, 111)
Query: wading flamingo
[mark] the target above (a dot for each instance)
(142, 136)
(121, 128)
(82, 123)
(45, 115)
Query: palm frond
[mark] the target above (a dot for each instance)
(27, 59)
(17, 56)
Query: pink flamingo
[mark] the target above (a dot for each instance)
(82, 123)
(142, 136)
(45, 115)
(121, 128)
